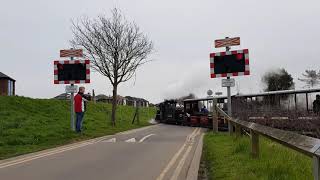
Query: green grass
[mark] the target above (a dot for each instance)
(29, 125)
(229, 158)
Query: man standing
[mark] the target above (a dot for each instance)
(316, 104)
(79, 108)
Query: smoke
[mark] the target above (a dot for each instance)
(191, 83)
(277, 79)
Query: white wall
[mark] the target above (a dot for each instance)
(10, 88)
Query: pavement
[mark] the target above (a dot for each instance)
(158, 152)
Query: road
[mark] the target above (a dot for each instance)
(158, 152)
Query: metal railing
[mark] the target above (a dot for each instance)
(304, 144)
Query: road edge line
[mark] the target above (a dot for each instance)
(195, 163)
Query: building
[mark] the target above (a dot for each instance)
(102, 98)
(67, 96)
(128, 100)
(7, 85)
(63, 96)
(108, 99)
(133, 101)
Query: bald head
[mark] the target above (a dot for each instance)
(82, 89)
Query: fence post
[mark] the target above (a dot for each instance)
(230, 127)
(254, 144)
(215, 115)
(238, 130)
(316, 168)
(215, 118)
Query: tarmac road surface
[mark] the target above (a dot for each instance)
(157, 152)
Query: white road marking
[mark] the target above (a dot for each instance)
(175, 157)
(131, 140)
(139, 129)
(144, 138)
(110, 140)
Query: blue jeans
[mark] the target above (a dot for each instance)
(79, 121)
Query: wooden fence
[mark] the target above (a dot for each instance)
(303, 144)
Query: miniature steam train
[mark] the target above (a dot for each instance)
(188, 114)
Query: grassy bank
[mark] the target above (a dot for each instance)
(28, 125)
(229, 158)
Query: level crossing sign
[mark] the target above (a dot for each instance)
(230, 63)
(72, 72)
(71, 53)
(227, 42)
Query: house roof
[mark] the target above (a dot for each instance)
(62, 96)
(3, 76)
(135, 99)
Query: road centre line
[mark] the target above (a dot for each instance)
(175, 157)
(144, 138)
(181, 163)
(183, 159)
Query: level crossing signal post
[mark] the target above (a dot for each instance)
(227, 64)
(230, 128)
(72, 104)
(71, 72)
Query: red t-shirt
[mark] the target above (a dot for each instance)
(78, 103)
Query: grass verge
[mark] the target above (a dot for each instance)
(29, 125)
(229, 158)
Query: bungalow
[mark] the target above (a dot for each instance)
(63, 96)
(108, 99)
(7, 85)
(128, 100)
(133, 101)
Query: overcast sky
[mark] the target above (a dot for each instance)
(277, 33)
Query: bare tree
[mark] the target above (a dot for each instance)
(115, 47)
(311, 78)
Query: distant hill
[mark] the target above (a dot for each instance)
(28, 125)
